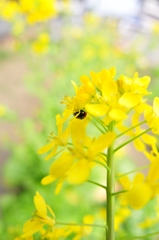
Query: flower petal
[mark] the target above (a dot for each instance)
(47, 180)
(129, 100)
(61, 165)
(46, 148)
(97, 109)
(31, 227)
(79, 172)
(102, 142)
(40, 204)
(156, 106)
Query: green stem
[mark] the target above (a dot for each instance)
(130, 129)
(102, 164)
(104, 154)
(81, 225)
(98, 127)
(135, 170)
(110, 190)
(98, 184)
(116, 193)
(131, 140)
(139, 237)
(101, 123)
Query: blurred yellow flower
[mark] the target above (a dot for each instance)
(33, 10)
(120, 216)
(38, 10)
(39, 219)
(56, 141)
(152, 116)
(41, 45)
(9, 9)
(138, 193)
(2, 110)
(82, 231)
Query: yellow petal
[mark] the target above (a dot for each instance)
(59, 123)
(84, 79)
(139, 195)
(109, 89)
(46, 148)
(125, 182)
(129, 100)
(40, 204)
(143, 82)
(31, 227)
(97, 110)
(139, 145)
(47, 180)
(139, 178)
(117, 114)
(61, 165)
(102, 142)
(112, 72)
(79, 172)
(153, 174)
(95, 79)
(156, 106)
(88, 219)
(78, 130)
(75, 86)
(59, 186)
(149, 139)
(53, 152)
(50, 210)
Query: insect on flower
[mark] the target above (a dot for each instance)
(80, 114)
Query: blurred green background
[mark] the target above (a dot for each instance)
(32, 84)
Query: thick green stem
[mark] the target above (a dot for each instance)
(110, 235)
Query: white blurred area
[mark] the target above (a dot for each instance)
(138, 15)
(115, 8)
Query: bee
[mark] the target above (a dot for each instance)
(80, 114)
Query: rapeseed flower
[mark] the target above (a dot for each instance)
(152, 116)
(39, 219)
(138, 193)
(56, 141)
(41, 45)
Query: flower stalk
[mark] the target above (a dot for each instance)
(109, 194)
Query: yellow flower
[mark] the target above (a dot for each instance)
(33, 10)
(2, 110)
(8, 9)
(55, 142)
(41, 45)
(149, 222)
(85, 150)
(82, 231)
(75, 164)
(37, 10)
(39, 219)
(138, 193)
(56, 233)
(122, 214)
(152, 116)
(59, 170)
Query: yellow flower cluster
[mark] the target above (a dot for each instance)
(142, 189)
(33, 10)
(46, 226)
(107, 100)
(104, 103)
